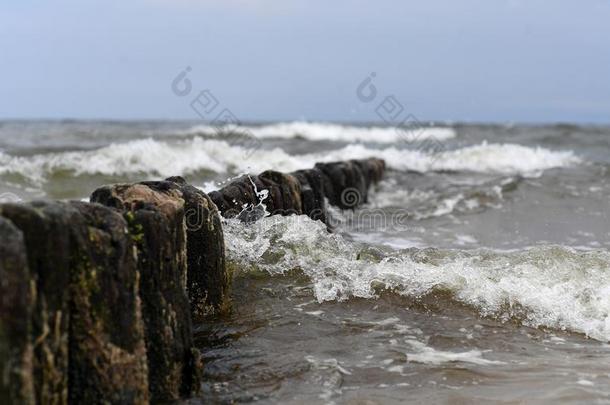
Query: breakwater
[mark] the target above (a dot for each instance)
(98, 299)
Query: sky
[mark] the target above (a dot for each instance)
(443, 60)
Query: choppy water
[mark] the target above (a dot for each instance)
(478, 271)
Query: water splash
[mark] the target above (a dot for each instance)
(552, 286)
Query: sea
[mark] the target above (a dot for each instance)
(478, 270)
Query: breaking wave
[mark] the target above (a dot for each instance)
(334, 132)
(166, 158)
(551, 286)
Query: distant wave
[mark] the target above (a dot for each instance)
(334, 132)
(552, 286)
(166, 158)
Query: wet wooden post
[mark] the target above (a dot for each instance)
(97, 300)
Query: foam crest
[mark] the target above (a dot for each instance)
(167, 158)
(481, 158)
(148, 156)
(429, 355)
(317, 131)
(550, 286)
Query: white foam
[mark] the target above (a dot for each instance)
(482, 158)
(317, 131)
(149, 156)
(586, 383)
(549, 286)
(164, 158)
(428, 355)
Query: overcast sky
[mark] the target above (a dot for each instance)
(504, 60)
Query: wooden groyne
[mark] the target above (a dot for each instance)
(343, 184)
(98, 299)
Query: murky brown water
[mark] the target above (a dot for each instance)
(282, 346)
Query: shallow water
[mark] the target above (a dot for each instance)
(478, 271)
